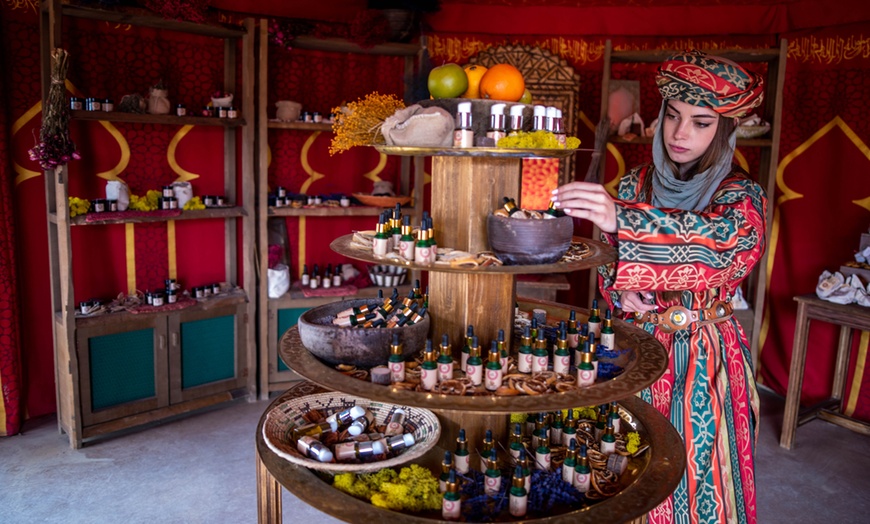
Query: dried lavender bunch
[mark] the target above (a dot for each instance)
(55, 148)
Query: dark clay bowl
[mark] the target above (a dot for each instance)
(358, 346)
(523, 242)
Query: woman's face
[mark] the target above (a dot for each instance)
(688, 130)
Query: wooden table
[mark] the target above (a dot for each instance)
(848, 317)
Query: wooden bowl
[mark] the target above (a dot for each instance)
(530, 241)
(381, 201)
(358, 346)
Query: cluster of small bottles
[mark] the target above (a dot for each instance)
(510, 209)
(315, 280)
(91, 104)
(395, 233)
(545, 431)
(387, 312)
(280, 198)
(544, 119)
(365, 443)
(172, 291)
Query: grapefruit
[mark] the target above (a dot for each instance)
(447, 81)
(474, 74)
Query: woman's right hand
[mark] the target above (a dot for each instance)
(637, 301)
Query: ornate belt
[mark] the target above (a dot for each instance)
(676, 318)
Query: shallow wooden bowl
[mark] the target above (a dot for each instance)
(529, 241)
(358, 346)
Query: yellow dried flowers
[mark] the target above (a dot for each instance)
(359, 123)
(146, 203)
(78, 206)
(537, 140)
(414, 488)
(633, 441)
(194, 203)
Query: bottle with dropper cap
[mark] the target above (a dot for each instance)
(406, 240)
(524, 353)
(516, 122)
(496, 129)
(519, 497)
(608, 337)
(463, 134)
(397, 360)
(474, 365)
(381, 242)
(462, 456)
(451, 502)
(493, 371)
(466, 349)
(445, 360)
(492, 475)
(429, 368)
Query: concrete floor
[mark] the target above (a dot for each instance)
(200, 469)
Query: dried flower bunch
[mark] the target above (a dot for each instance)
(359, 123)
(55, 148)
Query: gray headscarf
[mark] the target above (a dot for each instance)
(693, 194)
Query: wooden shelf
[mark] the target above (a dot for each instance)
(202, 304)
(741, 142)
(149, 20)
(343, 46)
(353, 211)
(138, 118)
(300, 126)
(295, 299)
(193, 214)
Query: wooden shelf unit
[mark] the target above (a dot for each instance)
(755, 286)
(276, 315)
(121, 370)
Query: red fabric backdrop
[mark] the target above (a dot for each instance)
(823, 155)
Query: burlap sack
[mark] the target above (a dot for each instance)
(419, 127)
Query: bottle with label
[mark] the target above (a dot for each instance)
(519, 497)
(397, 360)
(601, 422)
(569, 429)
(396, 423)
(573, 332)
(496, 128)
(541, 432)
(502, 351)
(615, 419)
(445, 360)
(556, 430)
(463, 133)
(570, 463)
(561, 356)
(542, 454)
(540, 356)
(510, 205)
(485, 449)
(311, 447)
(337, 279)
(429, 368)
(433, 245)
(493, 371)
(608, 337)
(585, 371)
(361, 424)
(446, 468)
(305, 280)
(593, 353)
(346, 416)
(422, 253)
(353, 320)
(315, 276)
(516, 441)
(516, 122)
(353, 450)
(550, 119)
(594, 322)
(315, 429)
(559, 128)
(524, 462)
(397, 443)
(524, 353)
(451, 502)
(381, 241)
(608, 439)
(492, 475)
(539, 122)
(582, 473)
(327, 277)
(474, 365)
(406, 240)
(462, 456)
(396, 225)
(466, 349)
(531, 418)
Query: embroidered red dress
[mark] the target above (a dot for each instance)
(708, 391)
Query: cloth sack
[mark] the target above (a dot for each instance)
(419, 127)
(117, 190)
(279, 280)
(183, 192)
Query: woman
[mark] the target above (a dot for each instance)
(688, 228)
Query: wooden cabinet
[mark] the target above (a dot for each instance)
(755, 286)
(276, 315)
(122, 369)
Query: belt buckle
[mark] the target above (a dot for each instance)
(675, 318)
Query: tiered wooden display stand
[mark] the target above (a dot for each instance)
(485, 298)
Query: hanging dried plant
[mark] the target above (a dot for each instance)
(54, 147)
(359, 123)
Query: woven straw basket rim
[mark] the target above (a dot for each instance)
(281, 419)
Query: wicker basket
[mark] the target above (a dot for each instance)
(752, 131)
(381, 201)
(281, 420)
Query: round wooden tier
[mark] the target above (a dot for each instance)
(599, 254)
(649, 479)
(488, 152)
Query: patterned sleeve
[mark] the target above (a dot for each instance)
(673, 250)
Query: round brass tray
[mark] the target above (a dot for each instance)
(599, 253)
(476, 151)
(652, 476)
(642, 366)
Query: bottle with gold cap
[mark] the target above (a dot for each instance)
(451, 502)
(486, 446)
(516, 441)
(524, 352)
(542, 452)
(542, 431)
(524, 462)
(614, 417)
(510, 205)
(556, 429)
(381, 242)
(462, 456)
(585, 371)
(429, 368)
(569, 431)
(492, 475)
(397, 360)
(445, 360)
(433, 244)
(466, 349)
(593, 351)
(493, 372)
(497, 129)
(582, 473)
(573, 332)
(353, 320)
(608, 439)
(446, 468)
(406, 240)
(570, 462)
(540, 356)
(594, 321)
(474, 365)
(417, 316)
(422, 254)
(502, 351)
(552, 211)
(601, 422)
(608, 337)
(396, 226)
(561, 356)
(519, 497)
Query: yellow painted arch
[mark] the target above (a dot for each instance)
(183, 174)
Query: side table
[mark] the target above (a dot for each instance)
(848, 317)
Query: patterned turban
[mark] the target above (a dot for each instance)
(710, 81)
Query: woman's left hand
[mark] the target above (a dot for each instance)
(589, 201)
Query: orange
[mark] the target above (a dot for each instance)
(502, 82)
(474, 74)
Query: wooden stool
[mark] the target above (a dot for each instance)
(849, 317)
